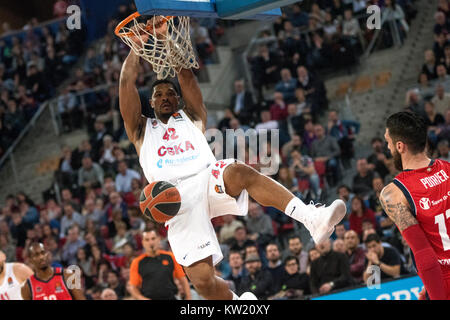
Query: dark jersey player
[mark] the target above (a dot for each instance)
(418, 201)
(48, 283)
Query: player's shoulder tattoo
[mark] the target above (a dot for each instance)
(396, 207)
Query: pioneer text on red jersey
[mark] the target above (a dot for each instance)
(434, 180)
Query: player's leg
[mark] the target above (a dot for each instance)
(207, 284)
(319, 221)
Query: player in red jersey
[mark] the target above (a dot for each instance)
(418, 201)
(48, 283)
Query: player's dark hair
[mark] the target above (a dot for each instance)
(372, 237)
(409, 128)
(157, 82)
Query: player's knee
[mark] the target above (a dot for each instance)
(242, 174)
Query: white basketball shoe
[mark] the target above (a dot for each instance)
(321, 221)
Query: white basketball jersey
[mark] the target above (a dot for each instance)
(174, 150)
(10, 289)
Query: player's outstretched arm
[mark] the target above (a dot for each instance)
(192, 96)
(397, 208)
(129, 101)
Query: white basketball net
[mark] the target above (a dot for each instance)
(168, 50)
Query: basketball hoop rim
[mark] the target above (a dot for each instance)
(130, 18)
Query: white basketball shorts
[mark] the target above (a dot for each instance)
(191, 234)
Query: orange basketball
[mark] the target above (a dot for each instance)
(160, 201)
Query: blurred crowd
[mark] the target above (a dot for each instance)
(94, 220)
(431, 97)
(33, 62)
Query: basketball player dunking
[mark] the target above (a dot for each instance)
(172, 147)
(47, 283)
(12, 277)
(418, 201)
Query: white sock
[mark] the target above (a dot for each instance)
(297, 209)
(235, 296)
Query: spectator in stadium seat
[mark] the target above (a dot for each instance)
(387, 259)
(237, 268)
(293, 124)
(278, 109)
(303, 167)
(73, 243)
(96, 138)
(286, 85)
(433, 121)
(443, 150)
(13, 119)
(442, 23)
(330, 271)
(265, 66)
(259, 224)
(325, 149)
(230, 224)
(115, 284)
(124, 177)
(345, 194)
(350, 29)
(70, 218)
(439, 46)
(359, 214)
(380, 158)
(108, 294)
(355, 254)
(258, 281)
(267, 122)
(441, 72)
(91, 174)
(304, 107)
(106, 154)
(414, 103)
(91, 212)
(443, 130)
(298, 17)
(320, 54)
(295, 248)
(275, 265)
(441, 99)
(314, 89)
(242, 102)
(84, 149)
(294, 284)
(309, 136)
(339, 246)
(240, 240)
(295, 143)
(429, 65)
(29, 213)
(362, 180)
(446, 60)
(344, 131)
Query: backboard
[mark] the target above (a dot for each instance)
(223, 9)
